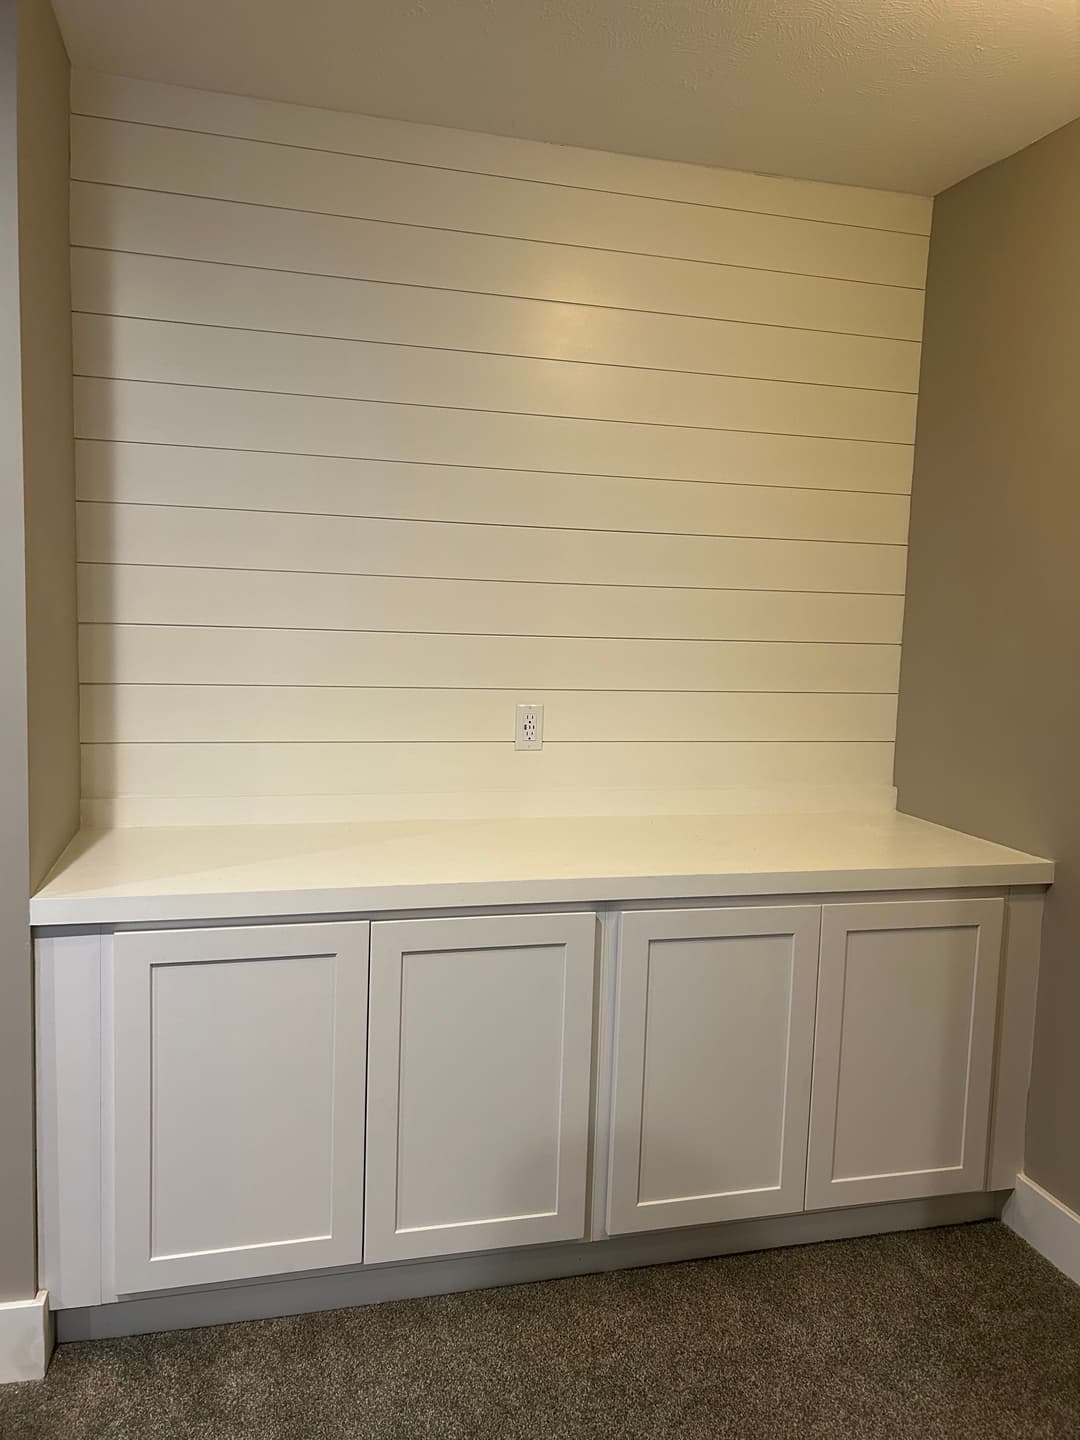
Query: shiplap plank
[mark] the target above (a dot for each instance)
(798, 798)
(142, 594)
(150, 157)
(389, 768)
(306, 425)
(198, 292)
(179, 655)
(125, 349)
(146, 102)
(192, 227)
(169, 535)
(392, 490)
(141, 713)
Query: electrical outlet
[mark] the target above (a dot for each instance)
(529, 727)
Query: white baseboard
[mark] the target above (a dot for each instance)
(26, 1338)
(1046, 1224)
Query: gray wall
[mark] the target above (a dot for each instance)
(36, 566)
(16, 1107)
(989, 725)
(48, 446)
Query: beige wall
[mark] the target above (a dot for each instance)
(989, 721)
(36, 567)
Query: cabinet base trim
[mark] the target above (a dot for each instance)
(335, 1290)
(1046, 1224)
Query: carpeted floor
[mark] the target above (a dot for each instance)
(956, 1334)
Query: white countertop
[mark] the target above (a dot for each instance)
(122, 876)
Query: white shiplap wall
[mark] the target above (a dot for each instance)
(382, 428)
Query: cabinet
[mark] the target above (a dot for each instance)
(238, 1066)
(713, 1037)
(903, 1054)
(218, 1104)
(479, 1071)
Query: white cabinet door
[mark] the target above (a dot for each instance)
(479, 1064)
(713, 1037)
(239, 1102)
(904, 1050)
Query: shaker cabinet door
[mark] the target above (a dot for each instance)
(713, 1034)
(479, 1068)
(903, 1054)
(239, 1102)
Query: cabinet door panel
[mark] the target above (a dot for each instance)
(714, 1025)
(478, 1077)
(239, 1073)
(904, 1050)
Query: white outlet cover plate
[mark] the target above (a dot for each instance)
(529, 727)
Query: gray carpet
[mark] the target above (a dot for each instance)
(954, 1333)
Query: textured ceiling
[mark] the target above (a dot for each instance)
(901, 94)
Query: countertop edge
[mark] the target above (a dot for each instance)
(108, 910)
